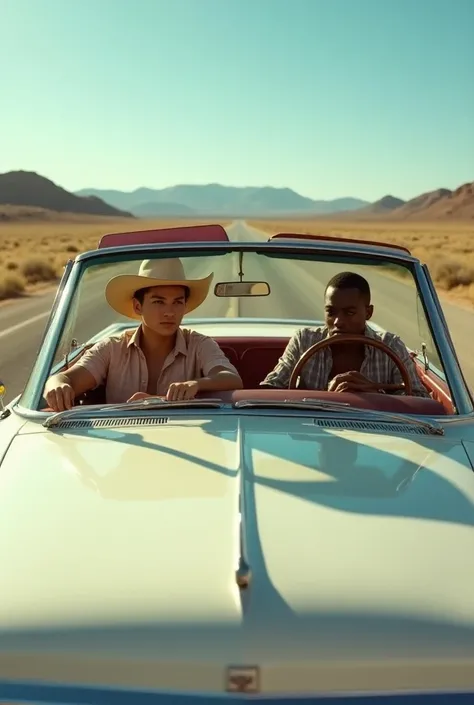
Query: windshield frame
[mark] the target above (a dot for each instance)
(31, 396)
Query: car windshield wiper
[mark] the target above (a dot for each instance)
(138, 405)
(310, 404)
(305, 403)
(159, 403)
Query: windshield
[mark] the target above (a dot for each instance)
(296, 294)
(296, 298)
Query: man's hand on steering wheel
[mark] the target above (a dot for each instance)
(352, 382)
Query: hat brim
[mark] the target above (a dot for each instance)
(120, 290)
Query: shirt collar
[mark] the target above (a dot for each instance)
(180, 345)
(369, 332)
(134, 339)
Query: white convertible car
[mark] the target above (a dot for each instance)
(277, 544)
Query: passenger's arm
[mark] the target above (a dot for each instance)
(220, 378)
(89, 372)
(219, 374)
(60, 390)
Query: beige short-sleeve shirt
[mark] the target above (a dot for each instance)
(118, 362)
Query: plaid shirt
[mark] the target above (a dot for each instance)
(377, 365)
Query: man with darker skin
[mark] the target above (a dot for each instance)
(349, 367)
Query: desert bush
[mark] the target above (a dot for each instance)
(38, 270)
(11, 285)
(451, 273)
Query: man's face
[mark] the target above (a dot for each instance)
(162, 309)
(346, 311)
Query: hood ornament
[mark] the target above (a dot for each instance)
(243, 574)
(243, 679)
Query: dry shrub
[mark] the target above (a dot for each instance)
(38, 270)
(451, 273)
(11, 285)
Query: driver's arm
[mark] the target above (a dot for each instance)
(279, 377)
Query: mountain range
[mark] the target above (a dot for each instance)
(217, 200)
(231, 201)
(24, 189)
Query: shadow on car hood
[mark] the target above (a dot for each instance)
(119, 548)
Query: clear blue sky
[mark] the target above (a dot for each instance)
(328, 97)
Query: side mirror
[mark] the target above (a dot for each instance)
(224, 289)
(3, 412)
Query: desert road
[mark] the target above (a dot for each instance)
(296, 293)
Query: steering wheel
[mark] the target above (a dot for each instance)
(353, 338)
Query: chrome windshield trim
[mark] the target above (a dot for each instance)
(264, 247)
(33, 390)
(463, 403)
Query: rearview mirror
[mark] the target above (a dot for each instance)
(242, 289)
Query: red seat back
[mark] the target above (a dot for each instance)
(253, 357)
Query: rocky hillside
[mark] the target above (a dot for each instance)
(440, 204)
(26, 188)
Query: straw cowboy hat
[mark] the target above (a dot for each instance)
(162, 272)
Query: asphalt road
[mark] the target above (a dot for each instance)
(296, 293)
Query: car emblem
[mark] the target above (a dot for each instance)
(243, 679)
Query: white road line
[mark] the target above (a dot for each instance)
(18, 326)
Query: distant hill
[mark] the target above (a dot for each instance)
(156, 210)
(33, 214)
(420, 204)
(441, 204)
(27, 188)
(381, 208)
(386, 204)
(218, 200)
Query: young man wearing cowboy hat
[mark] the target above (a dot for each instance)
(159, 358)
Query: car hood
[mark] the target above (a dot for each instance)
(119, 547)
